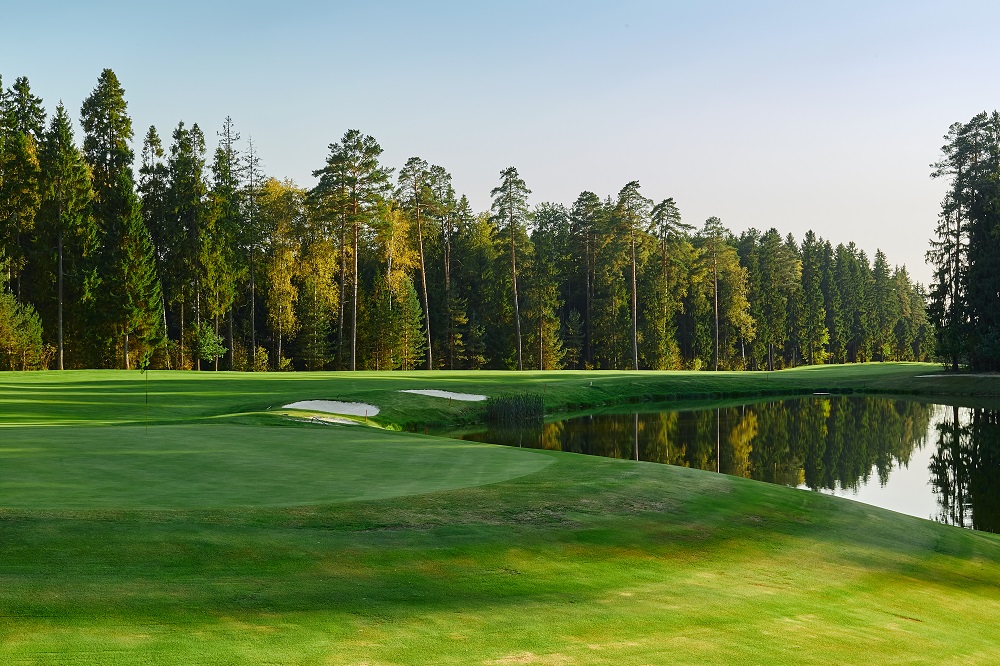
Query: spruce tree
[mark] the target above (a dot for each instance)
(228, 226)
(65, 224)
(21, 130)
(153, 174)
(126, 268)
(815, 333)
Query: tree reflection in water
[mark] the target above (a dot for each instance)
(824, 443)
(965, 470)
(829, 443)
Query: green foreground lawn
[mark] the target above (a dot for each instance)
(228, 533)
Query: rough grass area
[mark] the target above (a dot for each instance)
(230, 535)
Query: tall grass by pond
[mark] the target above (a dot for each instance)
(515, 408)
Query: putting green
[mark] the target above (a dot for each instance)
(211, 466)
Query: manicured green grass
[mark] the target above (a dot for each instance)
(230, 534)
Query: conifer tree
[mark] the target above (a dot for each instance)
(510, 211)
(832, 305)
(65, 224)
(550, 221)
(675, 254)
(21, 129)
(252, 236)
(357, 183)
(127, 273)
(229, 223)
(815, 333)
(153, 186)
(584, 222)
(189, 239)
(415, 195)
(633, 210)
(885, 308)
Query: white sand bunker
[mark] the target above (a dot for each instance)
(335, 407)
(435, 393)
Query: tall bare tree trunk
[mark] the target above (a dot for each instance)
(715, 268)
(635, 312)
(343, 290)
(423, 284)
(589, 353)
(447, 294)
(253, 316)
(354, 307)
(60, 288)
(181, 367)
(197, 325)
(513, 270)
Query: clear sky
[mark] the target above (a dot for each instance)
(795, 115)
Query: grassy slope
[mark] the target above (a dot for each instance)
(230, 539)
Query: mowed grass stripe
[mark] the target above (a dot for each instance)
(211, 466)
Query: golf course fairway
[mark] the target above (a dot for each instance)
(187, 518)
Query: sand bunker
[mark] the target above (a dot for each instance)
(325, 420)
(435, 393)
(335, 407)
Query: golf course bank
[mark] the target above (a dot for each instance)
(186, 518)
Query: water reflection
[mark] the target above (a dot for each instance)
(965, 469)
(846, 445)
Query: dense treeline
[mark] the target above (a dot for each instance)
(965, 294)
(182, 259)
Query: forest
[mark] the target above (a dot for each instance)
(964, 301)
(178, 259)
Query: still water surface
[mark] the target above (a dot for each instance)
(932, 461)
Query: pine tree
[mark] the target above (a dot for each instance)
(634, 210)
(141, 296)
(815, 334)
(153, 186)
(354, 181)
(416, 197)
(885, 308)
(252, 237)
(675, 255)
(189, 233)
(229, 223)
(723, 288)
(21, 130)
(543, 302)
(126, 263)
(64, 219)
(832, 305)
(510, 210)
(585, 219)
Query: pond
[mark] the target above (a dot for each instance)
(932, 461)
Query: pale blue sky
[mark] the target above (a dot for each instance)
(785, 114)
